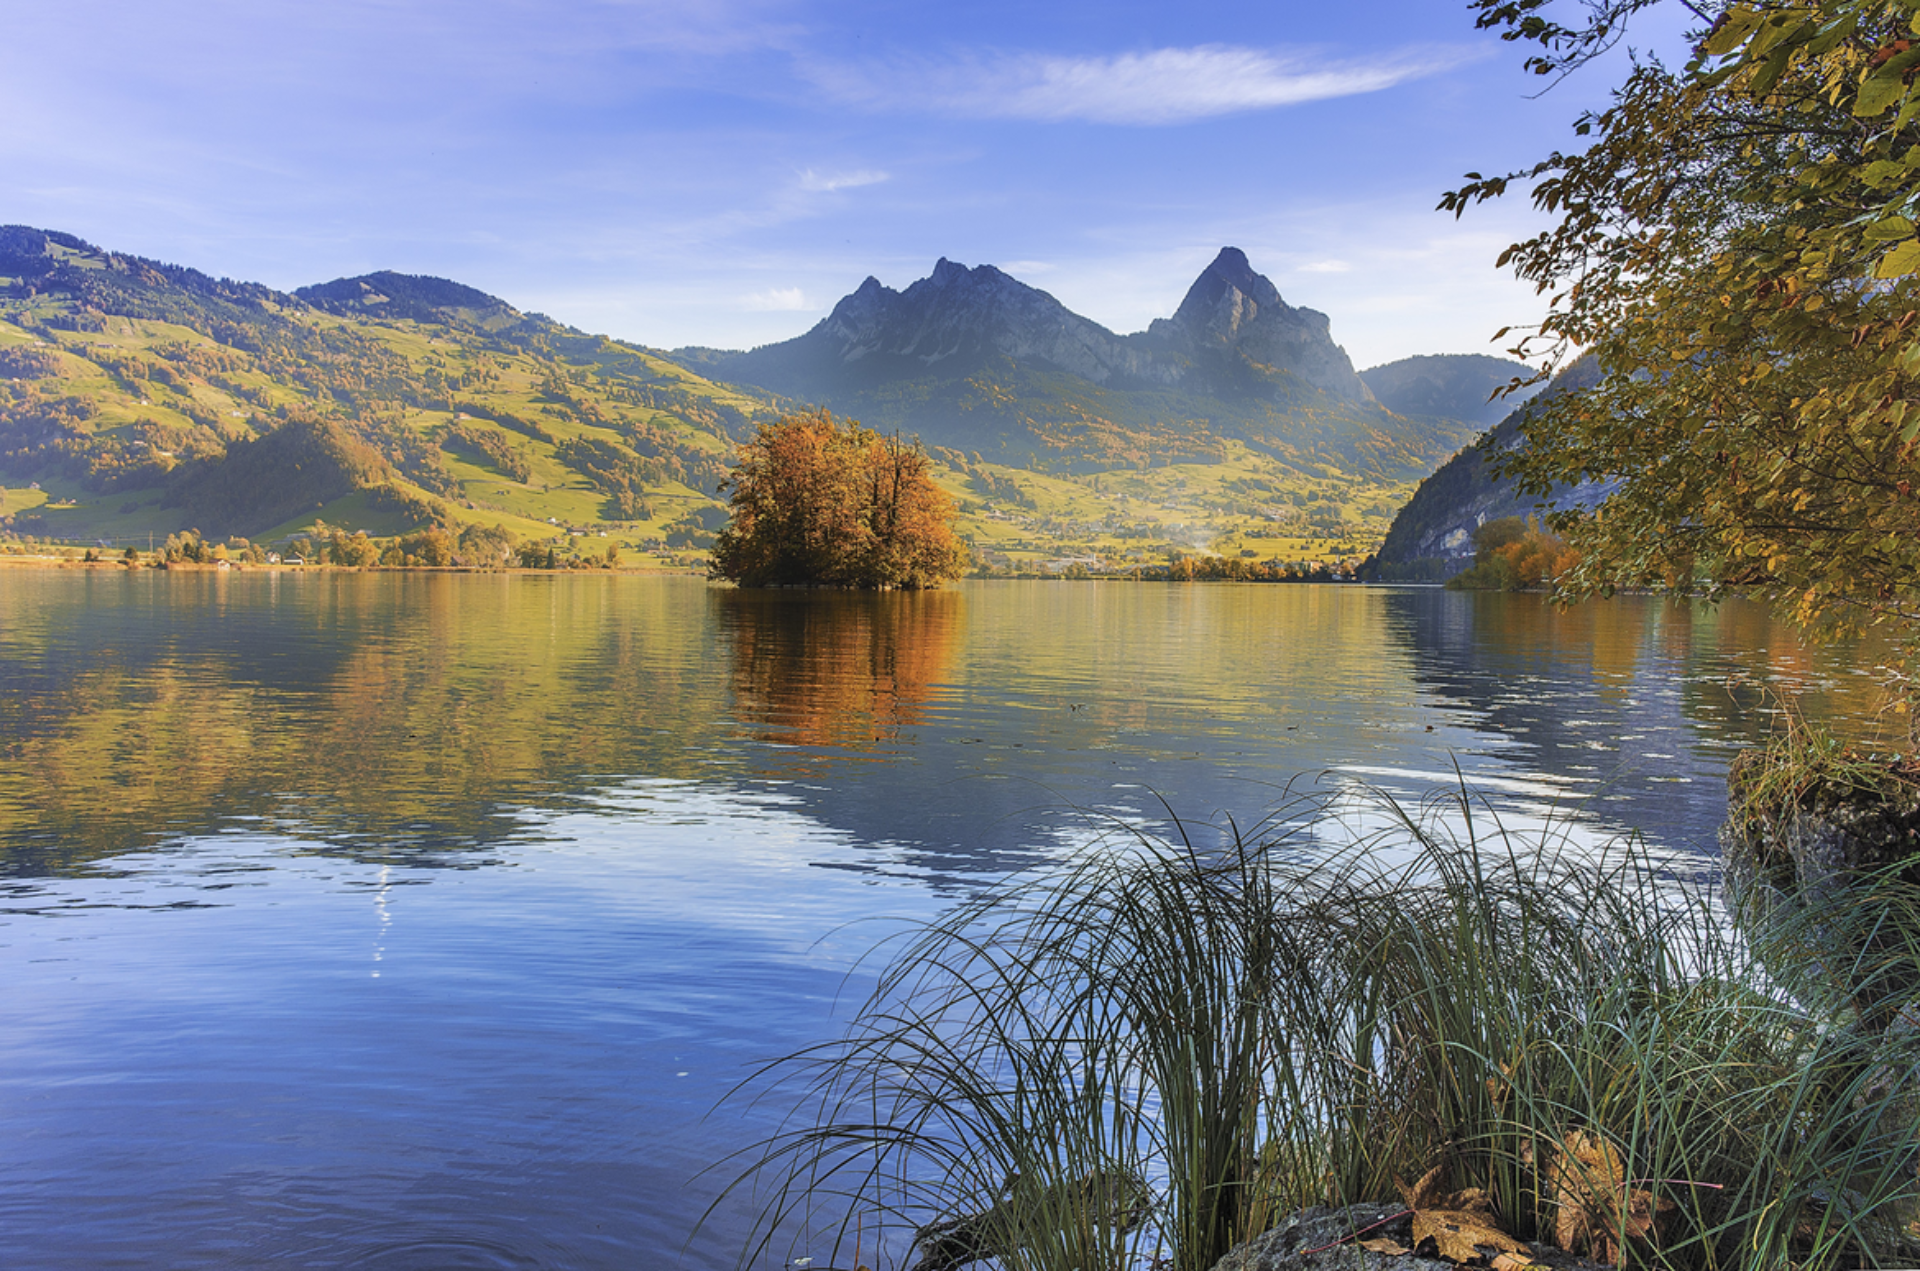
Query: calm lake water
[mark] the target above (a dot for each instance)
(420, 921)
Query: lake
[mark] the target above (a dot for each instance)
(409, 920)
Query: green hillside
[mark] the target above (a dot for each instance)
(138, 399)
(142, 398)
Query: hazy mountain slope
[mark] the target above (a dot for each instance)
(1431, 537)
(977, 360)
(1450, 386)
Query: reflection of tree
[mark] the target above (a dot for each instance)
(372, 715)
(837, 669)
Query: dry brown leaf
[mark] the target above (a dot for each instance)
(1594, 1204)
(1385, 1244)
(1517, 1262)
(1499, 1087)
(1427, 1191)
(1463, 1236)
(1460, 1225)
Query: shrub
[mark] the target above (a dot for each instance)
(820, 502)
(1511, 554)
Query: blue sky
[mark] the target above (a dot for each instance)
(722, 173)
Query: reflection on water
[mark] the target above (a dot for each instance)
(393, 717)
(417, 920)
(849, 671)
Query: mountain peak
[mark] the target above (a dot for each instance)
(1226, 296)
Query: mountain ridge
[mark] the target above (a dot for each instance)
(139, 398)
(971, 357)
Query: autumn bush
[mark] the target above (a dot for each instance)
(1330, 1005)
(1514, 554)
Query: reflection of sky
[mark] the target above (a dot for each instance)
(195, 1060)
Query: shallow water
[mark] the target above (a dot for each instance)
(419, 921)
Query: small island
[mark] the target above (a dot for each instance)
(817, 502)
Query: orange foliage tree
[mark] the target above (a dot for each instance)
(815, 501)
(1512, 554)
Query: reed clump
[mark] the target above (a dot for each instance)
(1156, 1051)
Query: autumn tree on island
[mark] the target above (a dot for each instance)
(816, 501)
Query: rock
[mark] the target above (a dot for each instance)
(1324, 1239)
(1799, 855)
(1321, 1239)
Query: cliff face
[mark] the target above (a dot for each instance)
(1233, 314)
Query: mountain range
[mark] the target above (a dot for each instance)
(975, 359)
(138, 398)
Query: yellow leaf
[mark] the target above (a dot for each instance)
(1385, 1244)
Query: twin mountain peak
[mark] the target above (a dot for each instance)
(1232, 332)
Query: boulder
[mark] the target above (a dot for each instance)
(1328, 1239)
(1823, 866)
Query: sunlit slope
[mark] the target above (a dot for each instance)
(143, 398)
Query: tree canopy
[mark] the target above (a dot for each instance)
(816, 501)
(1737, 246)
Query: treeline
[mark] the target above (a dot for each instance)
(1514, 554)
(1234, 569)
(432, 546)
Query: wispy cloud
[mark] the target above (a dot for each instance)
(776, 300)
(1163, 86)
(1323, 267)
(828, 182)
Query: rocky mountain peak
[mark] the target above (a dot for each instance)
(1226, 297)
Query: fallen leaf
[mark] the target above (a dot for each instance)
(1595, 1206)
(1427, 1191)
(1459, 1226)
(1463, 1236)
(1385, 1244)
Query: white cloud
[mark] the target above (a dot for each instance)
(777, 300)
(1163, 86)
(1323, 267)
(828, 182)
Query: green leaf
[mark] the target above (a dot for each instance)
(1901, 261)
(1881, 171)
(1734, 30)
(1880, 91)
(1889, 230)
